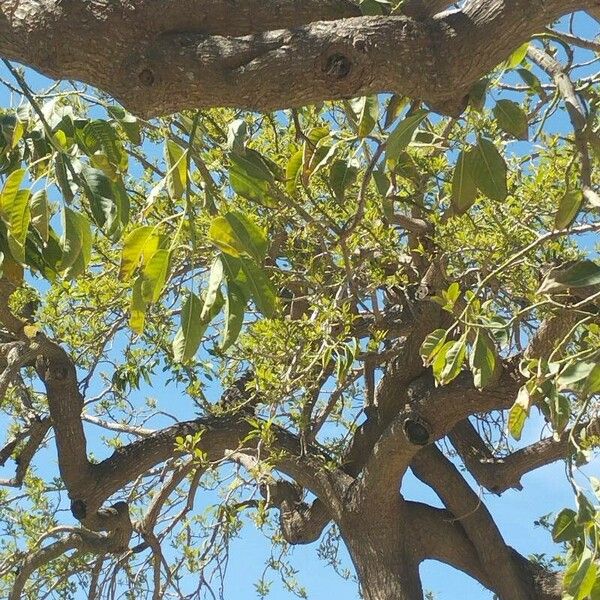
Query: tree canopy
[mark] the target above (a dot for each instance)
(287, 310)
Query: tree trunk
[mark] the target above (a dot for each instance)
(386, 565)
(383, 572)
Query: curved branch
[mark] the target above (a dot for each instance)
(436, 471)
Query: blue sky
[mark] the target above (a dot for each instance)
(545, 491)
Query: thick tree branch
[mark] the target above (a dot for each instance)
(429, 414)
(500, 474)
(163, 60)
(435, 470)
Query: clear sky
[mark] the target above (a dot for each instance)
(545, 491)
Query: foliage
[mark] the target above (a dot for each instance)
(180, 252)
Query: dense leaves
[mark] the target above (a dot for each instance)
(309, 248)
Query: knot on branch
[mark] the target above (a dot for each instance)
(146, 77)
(78, 509)
(300, 522)
(337, 66)
(417, 430)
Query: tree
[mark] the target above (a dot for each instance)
(390, 274)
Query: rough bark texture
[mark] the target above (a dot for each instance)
(159, 57)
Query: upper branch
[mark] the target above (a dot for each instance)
(161, 61)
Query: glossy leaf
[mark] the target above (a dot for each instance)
(402, 135)
(261, 289)
(367, 113)
(432, 345)
(76, 243)
(40, 214)
(464, 190)
(137, 307)
(237, 235)
(582, 274)
(454, 359)
(483, 360)
(155, 274)
(188, 337)
(518, 413)
(489, 170)
(214, 283)
(342, 175)
(250, 177)
(394, 108)
(235, 307)
(565, 528)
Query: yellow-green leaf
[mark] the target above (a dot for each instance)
(138, 247)
(175, 157)
(568, 209)
(518, 413)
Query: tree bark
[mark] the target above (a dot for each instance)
(159, 58)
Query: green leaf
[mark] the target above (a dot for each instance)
(9, 191)
(375, 7)
(292, 172)
(62, 178)
(154, 275)
(583, 273)
(586, 513)
(341, 176)
(76, 243)
(188, 337)
(512, 119)
(129, 124)
(477, 94)
(236, 136)
(237, 235)
(367, 113)
(17, 214)
(454, 359)
(483, 360)
(175, 157)
(565, 529)
(517, 57)
(402, 135)
(575, 373)
(100, 134)
(532, 81)
(560, 410)
(433, 344)
(489, 170)
(40, 214)
(464, 190)
(137, 307)
(261, 289)
(592, 383)
(568, 209)
(214, 283)
(235, 307)
(518, 413)
(250, 177)
(394, 108)
(138, 247)
(582, 580)
(101, 196)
